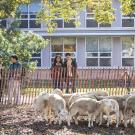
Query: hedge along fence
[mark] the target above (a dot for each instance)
(25, 85)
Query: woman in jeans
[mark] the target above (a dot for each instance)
(56, 72)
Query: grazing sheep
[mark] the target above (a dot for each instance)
(121, 101)
(129, 109)
(58, 107)
(83, 106)
(41, 104)
(109, 106)
(76, 96)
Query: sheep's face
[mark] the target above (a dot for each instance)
(63, 115)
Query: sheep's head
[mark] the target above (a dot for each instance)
(63, 115)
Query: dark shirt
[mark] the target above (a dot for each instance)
(15, 70)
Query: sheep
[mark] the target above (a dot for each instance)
(109, 106)
(83, 106)
(121, 101)
(98, 93)
(129, 108)
(58, 107)
(76, 96)
(41, 104)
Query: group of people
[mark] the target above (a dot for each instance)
(64, 73)
(63, 76)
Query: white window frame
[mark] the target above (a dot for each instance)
(92, 18)
(28, 18)
(63, 53)
(130, 56)
(127, 17)
(98, 57)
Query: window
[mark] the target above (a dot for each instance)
(3, 23)
(90, 19)
(61, 24)
(98, 51)
(28, 16)
(127, 51)
(127, 21)
(61, 46)
(37, 57)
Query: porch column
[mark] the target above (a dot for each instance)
(116, 52)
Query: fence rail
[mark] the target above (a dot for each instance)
(21, 87)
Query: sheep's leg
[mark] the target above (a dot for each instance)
(89, 120)
(109, 119)
(126, 116)
(76, 120)
(92, 119)
(101, 118)
(121, 117)
(117, 119)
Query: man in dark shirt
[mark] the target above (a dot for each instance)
(15, 70)
(70, 72)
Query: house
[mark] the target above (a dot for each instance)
(92, 44)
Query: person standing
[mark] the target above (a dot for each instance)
(70, 72)
(56, 72)
(14, 80)
(1, 68)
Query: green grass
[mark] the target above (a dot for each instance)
(111, 91)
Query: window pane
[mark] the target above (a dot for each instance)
(105, 44)
(105, 25)
(38, 60)
(55, 54)
(105, 54)
(105, 61)
(59, 23)
(36, 55)
(92, 44)
(2, 23)
(69, 24)
(23, 24)
(127, 22)
(23, 8)
(69, 44)
(92, 61)
(72, 55)
(127, 62)
(24, 16)
(91, 23)
(57, 48)
(57, 44)
(34, 24)
(34, 7)
(92, 54)
(127, 46)
(32, 16)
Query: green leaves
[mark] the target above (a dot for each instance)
(21, 43)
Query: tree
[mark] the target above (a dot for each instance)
(67, 9)
(8, 8)
(21, 43)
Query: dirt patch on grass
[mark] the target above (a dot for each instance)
(25, 121)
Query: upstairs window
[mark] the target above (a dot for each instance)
(128, 21)
(90, 19)
(3, 23)
(28, 16)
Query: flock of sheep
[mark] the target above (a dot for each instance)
(92, 106)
